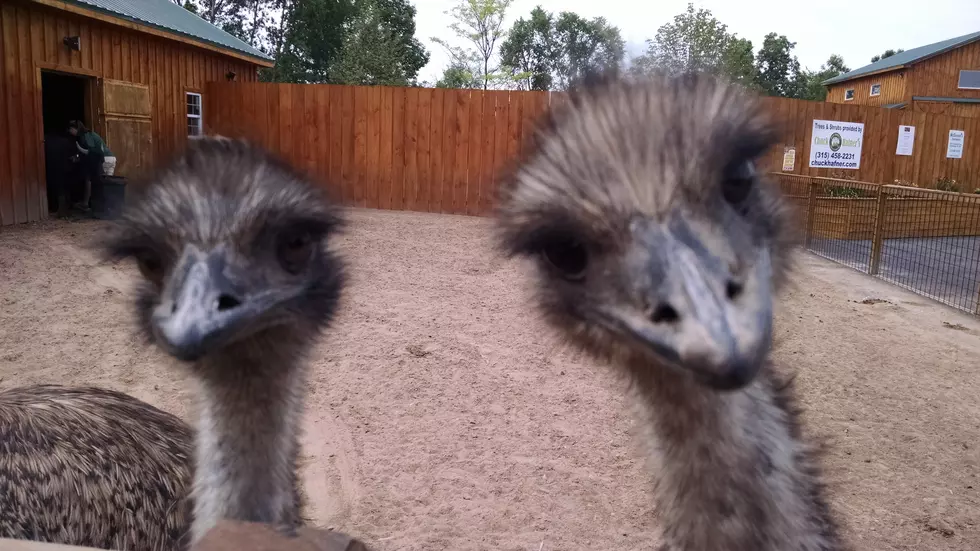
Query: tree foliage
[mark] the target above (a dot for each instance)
(778, 71)
(886, 54)
(547, 52)
(815, 89)
(480, 23)
(351, 41)
(696, 41)
(380, 47)
(530, 50)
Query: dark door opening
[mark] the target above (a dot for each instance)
(63, 98)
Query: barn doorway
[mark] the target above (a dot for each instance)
(64, 97)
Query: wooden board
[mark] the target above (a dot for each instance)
(126, 125)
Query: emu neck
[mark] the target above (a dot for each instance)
(733, 474)
(247, 440)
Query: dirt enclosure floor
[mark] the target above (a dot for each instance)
(443, 415)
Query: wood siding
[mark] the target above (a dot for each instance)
(879, 163)
(429, 150)
(32, 40)
(893, 90)
(939, 75)
(947, 108)
(445, 150)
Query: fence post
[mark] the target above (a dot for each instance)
(878, 237)
(811, 209)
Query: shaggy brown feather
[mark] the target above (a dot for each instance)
(92, 467)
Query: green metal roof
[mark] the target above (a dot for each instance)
(167, 16)
(907, 57)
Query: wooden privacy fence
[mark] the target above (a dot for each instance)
(431, 150)
(440, 150)
(927, 241)
(879, 161)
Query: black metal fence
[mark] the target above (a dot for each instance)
(925, 240)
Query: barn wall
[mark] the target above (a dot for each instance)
(893, 90)
(939, 76)
(947, 108)
(32, 39)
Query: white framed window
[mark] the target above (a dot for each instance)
(849, 94)
(875, 90)
(969, 80)
(195, 112)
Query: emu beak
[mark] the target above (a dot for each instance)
(201, 307)
(701, 318)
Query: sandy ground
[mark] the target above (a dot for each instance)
(444, 416)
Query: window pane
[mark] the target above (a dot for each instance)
(969, 79)
(193, 109)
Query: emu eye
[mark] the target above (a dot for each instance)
(150, 266)
(738, 182)
(568, 256)
(295, 251)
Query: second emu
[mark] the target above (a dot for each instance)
(658, 248)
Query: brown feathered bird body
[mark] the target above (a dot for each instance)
(92, 467)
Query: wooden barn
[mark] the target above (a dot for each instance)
(132, 70)
(941, 78)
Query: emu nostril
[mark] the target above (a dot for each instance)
(227, 302)
(733, 289)
(664, 313)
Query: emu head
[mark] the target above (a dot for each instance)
(657, 241)
(232, 245)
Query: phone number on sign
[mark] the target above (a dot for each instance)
(835, 155)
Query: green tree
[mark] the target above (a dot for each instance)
(481, 24)
(778, 71)
(885, 54)
(696, 41)
(458, 76)
(380, 47)
(530, 51)
(583, 46)
(398, 16)
(738, 62)
(815, 89)
(248, 20)
(308, 39)
(550, 53)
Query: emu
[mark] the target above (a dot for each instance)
(657, 247)
(238, 282)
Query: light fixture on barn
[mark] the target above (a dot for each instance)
(73, 43)
(230, 75)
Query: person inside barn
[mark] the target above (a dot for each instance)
(60, 158)
(98, 160)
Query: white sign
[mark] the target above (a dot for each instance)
(836, 144)
(954, 149)
(789, 159)
(906, 140)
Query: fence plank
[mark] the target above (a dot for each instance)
(448, 149)
(462, 154)
(384, 153)
(489, 129)
(474, 152)
(399, 137)
(347, 145)
(411, 149)
(436, 136)
(423, 148)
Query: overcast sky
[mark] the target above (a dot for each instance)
(857, 29)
